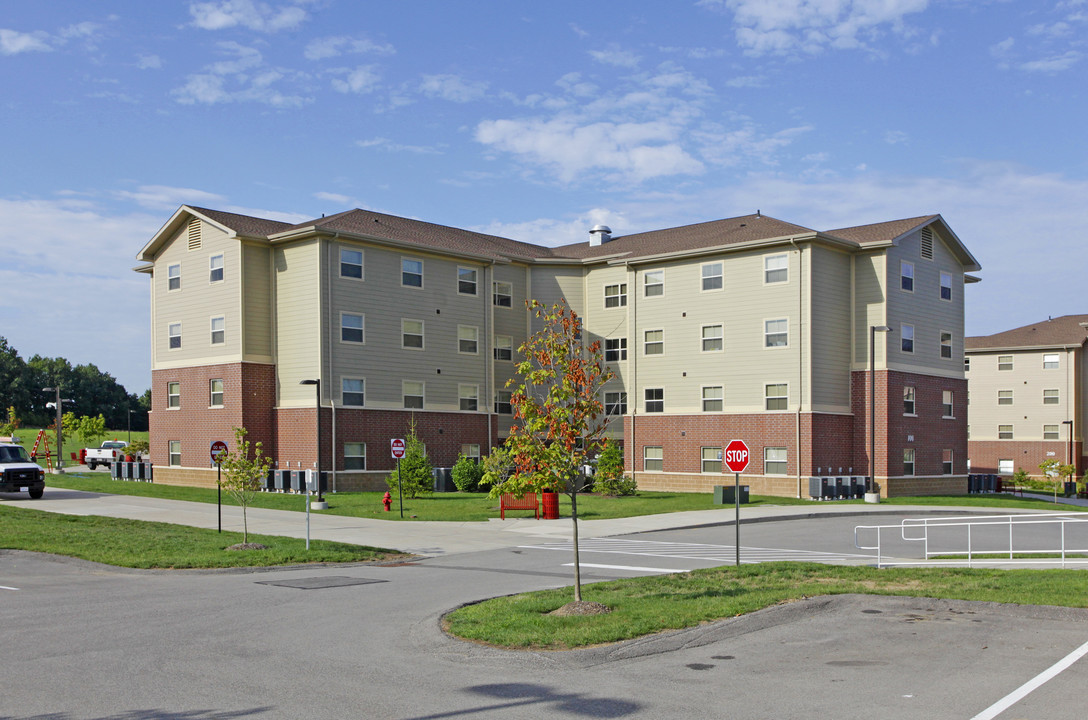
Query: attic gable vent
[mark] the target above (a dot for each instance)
(927, 243)
(194, 234)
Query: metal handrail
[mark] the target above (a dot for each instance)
(968, 521)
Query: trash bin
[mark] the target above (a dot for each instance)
(1070, 488)
(550, 504)
(443, 480)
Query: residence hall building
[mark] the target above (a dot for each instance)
(749, 328)
(1028, 396)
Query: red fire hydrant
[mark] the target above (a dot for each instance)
(387, 501)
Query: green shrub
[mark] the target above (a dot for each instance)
(609, 478)
(416, 474)
(467, 474)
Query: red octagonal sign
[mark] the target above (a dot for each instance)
(736, 455)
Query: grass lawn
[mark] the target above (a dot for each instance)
(641, 606)
(138, 544)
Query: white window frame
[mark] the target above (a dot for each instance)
(906, 276)
(1005, 363)
(404, 394)
(474, 281)
(719, 398)
(718, 339)
(405, 334)
(222, 330)
(171, 276)
(653, 283)
(1055, 398)
(906, 334)
(646, 399)
(615, 403)
(471, 451)
(653, 454)
(406, 272)
(710, 460)
(617, 353)
(468, 397)
(475, 339)
(1004, 397)
(946, 345)
(359, 456)
(221, 269)
(772, 271)
(946, 284)
(784, 399)
(345, 392)
(351, 263)
(1056, 433)
(504, 346)
(503, 405)
(710, 272)
(173, 394)
(768, 334)
(948, 406)
(909, 462)
(212, 392)
(773, 457)
(1005, 467)
(1006, 434)
(502, 294)
(617, 298)
(910, 401)
(361, 329)
(174, 453)
(1054, 364)
(657, 344)
(173, 330)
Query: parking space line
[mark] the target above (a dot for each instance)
(1021, 692)
(626, 567)
(5, 587)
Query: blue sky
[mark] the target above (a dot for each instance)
(534, 121)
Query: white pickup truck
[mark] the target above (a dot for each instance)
(110, 452)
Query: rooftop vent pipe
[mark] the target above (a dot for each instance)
(600, 234)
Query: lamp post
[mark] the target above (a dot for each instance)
(317, 385)
(130, 425)
(60, 424)
(872, 495)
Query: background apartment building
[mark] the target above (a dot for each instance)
(748, 328)
(1028, 396)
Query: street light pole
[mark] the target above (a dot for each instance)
(60, 423)
(317, 385)
(872, 495)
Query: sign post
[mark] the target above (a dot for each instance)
(736, 457)
(218, 450)
(396, 447)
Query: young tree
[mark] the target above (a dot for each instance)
(1055, 471)
(466, 474)
(609, 478)
(91, 429)
(242, 475)
(416, 476)
(559, 419)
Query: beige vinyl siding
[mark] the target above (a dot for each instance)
(298, 313)
(257, 303)
(510, 322)
(924, 308)
(870, 283)
(385, 302)
(550, 284)
(829, 387)
(1027, 380)
(198, 300)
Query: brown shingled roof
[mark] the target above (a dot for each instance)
(881, 232)
(1055, 332)
(244, 224)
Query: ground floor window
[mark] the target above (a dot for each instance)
(471, 451)
(774, 461)
(712, 460)
(354, 456)
(946, 462)
(1004, 467)
(908, 461)
(653, 459)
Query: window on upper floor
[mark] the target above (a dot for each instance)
(711, 459)
(615, 403)
(713, 398)
(906, 275)
(776, 333)
(502, 294)
(1051, 432)
(653, 458)
(615, 349)
(173, 394)
(215, 393)
(712, 276)
(1050, 361)
(712, 338)
(946, 344)
(351, 263)
(655, 400)
(1004, 397)
(174, 334)
(411, 334)
(776, 269)
(354, 456)
(469, 397)
(966, 363)
(173, 277)
(353, 392)
(908, 401)
(906, 338)
(352, 328)
(1004, 432)
(411, 272)
(466, 281)
(1051, 397)
(653, 283)
(502, 402)
(776, 396)
(1004, 363)
(504, 347)
(946, 286)
(653, 342)
(615, 295)
(412, 392)
(468, 339)
(219, 330)
(215, 269)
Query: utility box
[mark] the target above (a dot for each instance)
(726, 494)
(818, 488)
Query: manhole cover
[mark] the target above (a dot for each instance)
(319, 583)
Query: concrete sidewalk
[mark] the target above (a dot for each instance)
(429, 538)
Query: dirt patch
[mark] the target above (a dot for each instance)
(248, 546)
(581, 607)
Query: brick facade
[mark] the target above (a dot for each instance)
(985, 454)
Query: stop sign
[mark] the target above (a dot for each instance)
(396, 446)
(736, 455)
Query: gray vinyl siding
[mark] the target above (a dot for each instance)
(257, 303)
(298, 322)
(924, 309)
(550, 284)
(198, 300)
(830, 317)
(382, 360)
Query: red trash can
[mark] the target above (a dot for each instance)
(550, 503)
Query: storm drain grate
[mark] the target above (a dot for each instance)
(320, 583)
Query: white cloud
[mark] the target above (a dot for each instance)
(336, 198)
(1057, 63)
(453, 88)
(615, 57)
(551, 232)
(895, 137)
(241, 78)
(257, 16)
(360, 80)
(13, 42)
(321, 48)
(148, 62)
(168, 199)
(390, 146)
